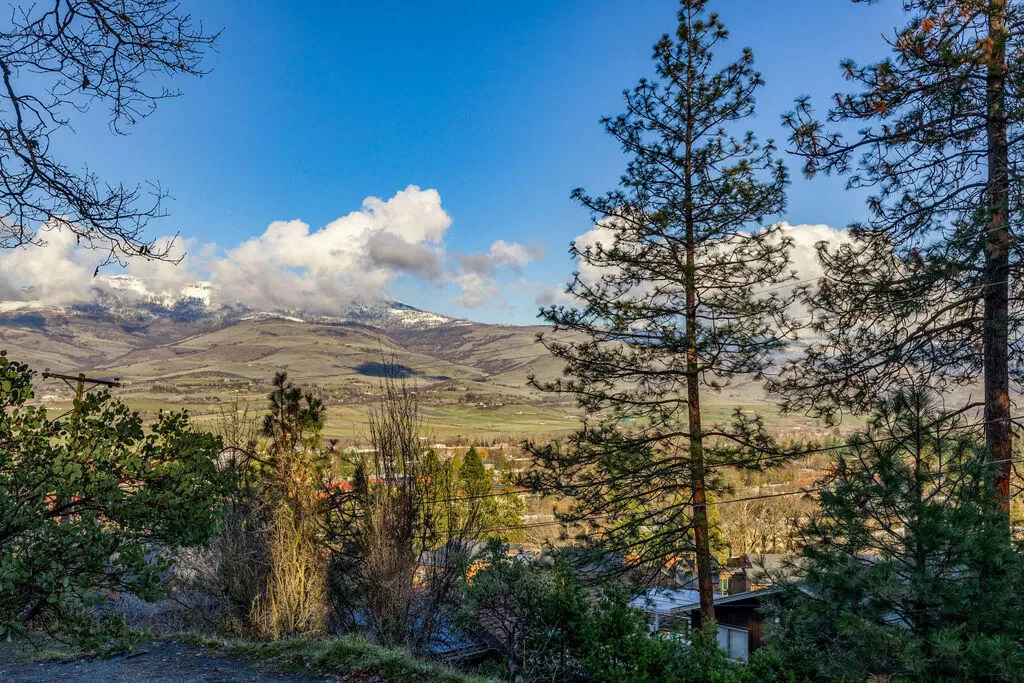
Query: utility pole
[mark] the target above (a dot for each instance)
(80, 382)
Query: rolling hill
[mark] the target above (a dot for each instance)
(472, 377)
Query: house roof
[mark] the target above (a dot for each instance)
(739, 597)
(665, 600)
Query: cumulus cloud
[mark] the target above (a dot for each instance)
(353, 259)
(477, 290)
(477, 279)
(389, 251)
(514, 255)
(803, 255)
(502, 254)
(58, 272)
(350, 259)
(554, 296)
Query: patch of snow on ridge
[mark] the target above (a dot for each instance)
(127, 298)
(136, 289)
(24, 306)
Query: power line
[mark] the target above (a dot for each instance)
(784, 456)
(681, 506)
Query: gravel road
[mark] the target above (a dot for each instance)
(156, 661)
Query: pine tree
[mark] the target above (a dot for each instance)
(473, 477)
(924, 290)
(907, 571)
(491, 514)
(690, 294)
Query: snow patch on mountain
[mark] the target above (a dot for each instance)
(128, 298)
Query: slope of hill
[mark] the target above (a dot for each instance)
(472, 376)
(186, 352)
(149, 342)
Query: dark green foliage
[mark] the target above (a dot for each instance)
(684, 292)
(475, 480)
(294, 417)
(492, 515)
(548, 626)
(295, 463)
(92, 504)
(908, 570)
(615, 644)
(509, 599)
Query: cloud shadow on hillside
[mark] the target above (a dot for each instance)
(376, 369)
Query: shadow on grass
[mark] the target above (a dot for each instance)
(394, 370)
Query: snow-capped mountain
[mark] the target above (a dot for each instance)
(127, 298)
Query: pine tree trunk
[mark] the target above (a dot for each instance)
(998, 429)
(701, 536)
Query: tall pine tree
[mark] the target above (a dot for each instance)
(689, 294)
(924, 290)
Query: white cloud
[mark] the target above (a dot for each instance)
(477, 279)
(554, 296)
(58, 272)
(514, 255)
(477, 290)
(353, 258)
(502, 254)
(803, 255)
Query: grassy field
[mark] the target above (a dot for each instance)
(479, 422)
(472, 378)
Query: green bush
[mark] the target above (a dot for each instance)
(548, 627)
(91, 504)
(909, 570)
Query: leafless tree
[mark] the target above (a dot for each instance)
(59, 59)
(240, 552)
(766, 525)
(401, 535)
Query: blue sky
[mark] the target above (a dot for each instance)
(313, 106)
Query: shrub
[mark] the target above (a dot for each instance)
(92, 505)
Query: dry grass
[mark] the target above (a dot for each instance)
(295, 599)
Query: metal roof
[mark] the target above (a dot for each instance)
(667, 600)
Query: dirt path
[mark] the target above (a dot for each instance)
(156, 661)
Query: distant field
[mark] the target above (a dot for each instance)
(472, 378)
(463, 422)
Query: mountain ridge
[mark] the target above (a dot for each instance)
(128, 298)
(146, 337)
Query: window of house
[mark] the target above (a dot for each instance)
(675, 626)
(735, 642)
